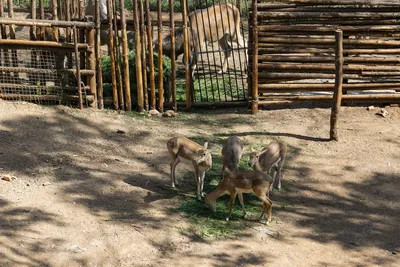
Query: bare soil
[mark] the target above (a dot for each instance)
(86, 195)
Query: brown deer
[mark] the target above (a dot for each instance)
(271, 158)
(243, 182)
(231, 153)
(184, 150)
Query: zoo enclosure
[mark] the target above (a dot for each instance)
(45, 69)
(292, 48)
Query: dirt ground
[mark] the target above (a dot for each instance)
(86, 195)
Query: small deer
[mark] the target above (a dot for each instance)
(271, 158)
(243, 182)
(184, 150)
(231, 153)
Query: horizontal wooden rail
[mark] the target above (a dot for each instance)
(48, 44)
(46, 23)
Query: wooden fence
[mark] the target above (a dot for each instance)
(41, 67)
(292, 48)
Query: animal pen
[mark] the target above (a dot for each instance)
(42, 68)
(293, 53)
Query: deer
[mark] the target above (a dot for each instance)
(231, 153)
(181, 149)
(271, 158)
(243, 182)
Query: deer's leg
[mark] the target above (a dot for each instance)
(240, 196)
(202, 176)
(198, 181)
(279, 170)
(222, 172)
(267, 205)
(224, 45)
(233, 197)
(272, 172)
(174, 161)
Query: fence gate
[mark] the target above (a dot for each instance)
(218, 38)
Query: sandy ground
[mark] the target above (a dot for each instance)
(108, 202)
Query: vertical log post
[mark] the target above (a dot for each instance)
(4, 52)
(2, 26)
(14, 59)
(55, 17)
(151, 56)
(143, 49)
(173, 61)
(254, 103)
(127, 84)
(139, 76)
(337, 94)
(68, 16)
(41, 8)
(32, 30)
(99, 72)
(90, 63)
(160, 60)
(118, 60)
(112, 56)
(78, 69)
(82, 31)
(186, 52)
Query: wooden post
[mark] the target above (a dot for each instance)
(99, 74)
(143, 44)
(68, 16)
(173, 63)
(78, 69)
(90, 64)
(2, 26)
(82, 31)
(151, 57)
(254, 98)
(139, 76)
(112, 56)
(14, 59)
(55, 17)
(188, 75)
(32, 30)
(41, 8)
(337, 94)
(160, 66)
(118, 60)
(127, 85)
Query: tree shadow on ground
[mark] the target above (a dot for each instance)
(18, 237)
(367, 217)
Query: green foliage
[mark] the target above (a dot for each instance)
(106, 67)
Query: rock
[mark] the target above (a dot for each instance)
(154, 112)
(46, 183)
(384, 112)
(6, 178)
(370, 108)
(166, 114)
(120, 131)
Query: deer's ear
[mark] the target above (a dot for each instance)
(206, 145)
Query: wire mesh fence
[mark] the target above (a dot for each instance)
(37, 75)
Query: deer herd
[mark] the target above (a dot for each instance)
(266, 165)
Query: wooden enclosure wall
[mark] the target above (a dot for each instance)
(40, 61)
(293, 51)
